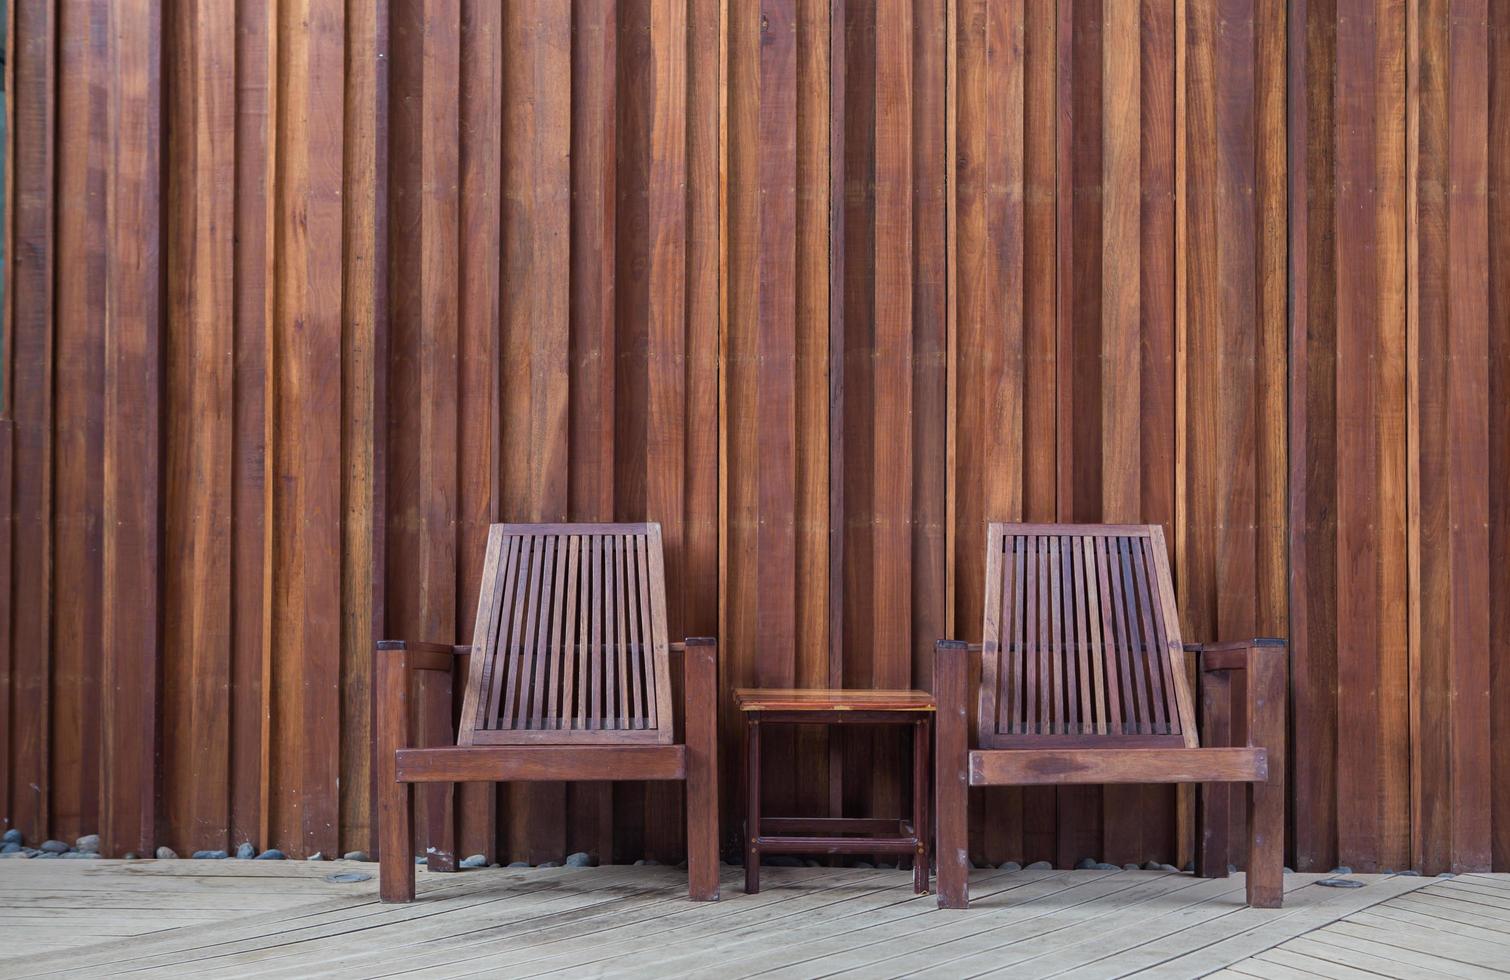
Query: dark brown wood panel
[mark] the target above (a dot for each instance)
(306, 295)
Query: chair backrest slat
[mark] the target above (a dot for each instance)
(1080, 640)
(570, 643)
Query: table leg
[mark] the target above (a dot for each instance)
(752, 805)
(920, 826)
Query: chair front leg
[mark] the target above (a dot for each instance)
(700, 672)
(951, 685)
(395, 799)
(1265, 694)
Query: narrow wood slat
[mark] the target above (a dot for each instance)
(647, 645)
(1066, 632)
(632, 588)
(1122, 698)
(1148, 644)
(1092, 719)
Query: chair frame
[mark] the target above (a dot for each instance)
(1250, 675)
(418, 675)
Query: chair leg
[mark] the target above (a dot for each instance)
(700, 670)
(752, 806)
(951, 682)
(1266, 685)
(396, 831)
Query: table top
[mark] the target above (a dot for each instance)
(829, 699)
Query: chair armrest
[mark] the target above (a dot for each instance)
(425, 656)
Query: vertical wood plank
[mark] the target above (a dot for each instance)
(133, 351)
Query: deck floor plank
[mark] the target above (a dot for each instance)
(215, 919)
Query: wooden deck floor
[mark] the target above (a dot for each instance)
(240, 919)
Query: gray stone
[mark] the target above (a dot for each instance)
(246, 850)
(1010, 866)
(1340, 883)
(1040, 866)
(474, 861)
(520, 864)
(271, 854)
(166, 854)
(55, 847)
(1132, 866)
(355, 856)
(88, 844)
(80, 854)
(17, 854)
(581, 859)
(317, 856)
(9, 848)
(1086, 864)
(1104, 866)
(1342, 869)
(12, 836)
(215, 855)
(548, 864)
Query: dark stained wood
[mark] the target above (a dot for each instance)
(1151, 741)
(541, 618)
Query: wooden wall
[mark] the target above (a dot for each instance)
(307, 293)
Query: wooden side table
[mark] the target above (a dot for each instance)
(825, 835)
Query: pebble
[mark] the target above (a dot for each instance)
(88, 844)
(166, 853)
(55, 847)
(9, 847)
(216, 855)
(1340, 883)
(1086, 864)
(474, 861)
(12, 836)
(521, 864)
(1040, 866)
(355, 856)
(271, 854)
(1011, 866)
(246, 850)
(580, 859)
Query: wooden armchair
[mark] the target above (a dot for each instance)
(1082, 680)
(568, 678)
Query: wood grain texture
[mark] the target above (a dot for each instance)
(823, 287)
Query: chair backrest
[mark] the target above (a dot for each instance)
(570, 643)
(1081, 642)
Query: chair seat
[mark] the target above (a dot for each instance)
(830, 699)
(541, 763)
(1026, 767)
